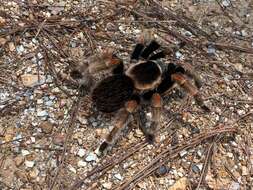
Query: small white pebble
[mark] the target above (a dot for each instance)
(53, 163)
(20, 49)
(183, 153)
(187, 33)
(225, 3)
(118, 176)
(28, 70)
(82, 120)
(81, 152)
(230, 155)
(200, 166)
(199, 153)
(72, 169)
(42, 113)
(39, 101)
(244, 33)
(25, 152)
(107, 185)
(56, 90)
(81, 163)
(179, 55)
(122, 28)
(149, 115)
(137, 31)
(233, 143)
(34, 41)
(218, 110)
(234, 186)
(171, 182)
(29, 164)
(91, 157)
(97, 152)
(33, 140)
(240, 112)
(244, 170)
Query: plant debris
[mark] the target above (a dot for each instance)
(49, 132)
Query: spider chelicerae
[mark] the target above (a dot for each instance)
(148, 78)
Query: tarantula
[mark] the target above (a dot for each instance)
(147, 79)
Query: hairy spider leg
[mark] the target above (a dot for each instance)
(121, 121)
(182, 81)
(119, 69)
(84, 78)
(104, 61)
(157, 55)
(167, 83)
(137, 51)
(149, 131)
(140, 51)
(189, 71)
(152, 46)
(84, 72)
(156, 105)
(197, 80)
(78, 72)
(142, 122)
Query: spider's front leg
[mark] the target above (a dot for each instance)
(105, 60)
(83, 73)
(146, 48)
(96, 63)
(189, 71)
(182, 81)
(121, 121)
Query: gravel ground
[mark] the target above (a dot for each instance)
(48, 133)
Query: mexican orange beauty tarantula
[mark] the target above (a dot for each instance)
(147, 79)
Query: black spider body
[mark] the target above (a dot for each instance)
(112, 93)
(146, 72)
(147, 78)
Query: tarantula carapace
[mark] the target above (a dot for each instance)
(148, 78)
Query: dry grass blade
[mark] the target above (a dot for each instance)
(46, 40)
(206, 164)
(189, 26)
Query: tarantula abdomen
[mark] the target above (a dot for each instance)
(112, 93)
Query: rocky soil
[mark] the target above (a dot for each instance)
(48, 133)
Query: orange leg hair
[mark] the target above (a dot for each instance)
(182, 81)
(156, 105)
(120, 123)
(103, 61)
(149, 130)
